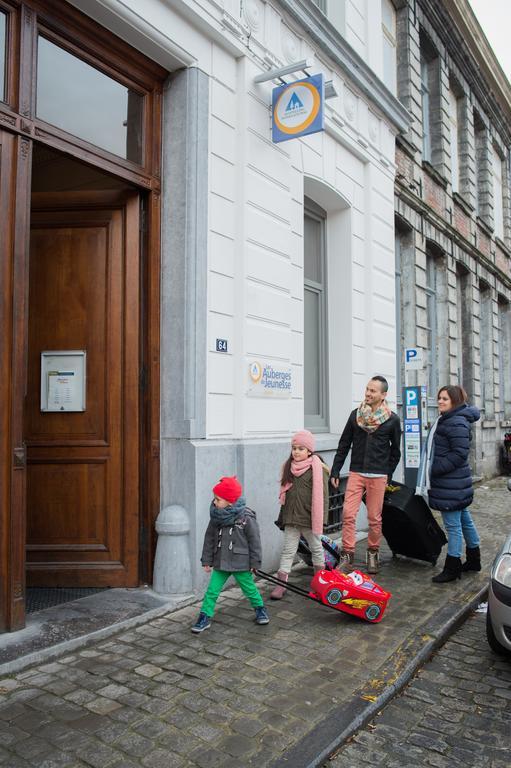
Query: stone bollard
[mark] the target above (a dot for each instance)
(172, 572)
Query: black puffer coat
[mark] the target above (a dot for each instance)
(450, 476)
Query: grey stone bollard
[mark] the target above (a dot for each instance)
(172, 571)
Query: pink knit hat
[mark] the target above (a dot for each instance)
(305, 438)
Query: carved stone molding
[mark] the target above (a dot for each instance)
(252, 15)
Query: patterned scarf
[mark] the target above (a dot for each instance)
(370, 420)
(228, 515)
(299, 468)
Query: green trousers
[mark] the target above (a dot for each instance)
(218, 578)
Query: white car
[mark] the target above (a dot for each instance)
(498, 617)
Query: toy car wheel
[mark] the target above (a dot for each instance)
(372, 612)
(333, 596)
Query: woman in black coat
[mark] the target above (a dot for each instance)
(449, 479)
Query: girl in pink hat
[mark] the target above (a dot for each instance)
(304, 505)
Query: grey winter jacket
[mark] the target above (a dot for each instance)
(235, 547)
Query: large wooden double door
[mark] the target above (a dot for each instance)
(82, 493)
(79, 489)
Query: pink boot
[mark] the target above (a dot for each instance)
(279, 592)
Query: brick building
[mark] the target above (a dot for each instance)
(453, 213)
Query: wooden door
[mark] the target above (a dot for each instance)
(15, 154)
(83, 467)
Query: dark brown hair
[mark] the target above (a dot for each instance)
(456, 393)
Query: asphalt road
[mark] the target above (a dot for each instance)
(455, 712)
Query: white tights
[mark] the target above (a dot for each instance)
(291, 539)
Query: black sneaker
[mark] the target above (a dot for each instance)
(202, 623)
(261, 615)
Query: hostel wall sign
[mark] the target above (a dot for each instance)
(297, 109)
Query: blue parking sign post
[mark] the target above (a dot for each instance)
(413, 432)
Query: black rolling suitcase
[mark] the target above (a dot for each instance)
(409, 527)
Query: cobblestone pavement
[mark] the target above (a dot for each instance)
(239, 695)
(455, 713)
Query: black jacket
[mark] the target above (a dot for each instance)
(375, 452)
(450, 477)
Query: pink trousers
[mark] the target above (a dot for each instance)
(375, 490)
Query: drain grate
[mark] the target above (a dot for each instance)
(39, 598)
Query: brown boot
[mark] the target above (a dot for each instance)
(279, 592)
(345, 564)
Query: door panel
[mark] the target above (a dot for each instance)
(82, 467)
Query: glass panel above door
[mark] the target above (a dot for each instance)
(3, 48)
(81, 100)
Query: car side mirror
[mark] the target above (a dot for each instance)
(509, 484)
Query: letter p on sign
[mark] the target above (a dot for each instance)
(413, 359)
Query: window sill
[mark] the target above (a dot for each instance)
(466, 207)
(503, 246)
(488, 423)
(434, 174)
(407, 146)
(326, 441)
(488, 231)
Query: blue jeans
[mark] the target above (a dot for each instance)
(459, 525)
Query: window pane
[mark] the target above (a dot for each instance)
(312, 353)
(83, 101)
(497, 194)
(453, 121)
(312, 254)
(3, 28)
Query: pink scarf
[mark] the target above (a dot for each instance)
(299, 468)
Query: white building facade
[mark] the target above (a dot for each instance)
(281, 254)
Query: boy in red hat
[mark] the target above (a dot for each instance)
(232, 547)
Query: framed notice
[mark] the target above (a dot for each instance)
(63, 381)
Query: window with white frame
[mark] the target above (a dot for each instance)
(504, 357)
(315, 318)
(454, 135)
(388, 25)
(498, 211)
(486, 351)
(432, 323)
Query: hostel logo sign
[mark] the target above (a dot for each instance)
(297, 109)
(267, 379)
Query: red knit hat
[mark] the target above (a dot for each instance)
(228, 488)
(305, 438)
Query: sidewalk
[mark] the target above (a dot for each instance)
(239, 695)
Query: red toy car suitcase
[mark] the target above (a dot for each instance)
(354, 593)
(408, 525)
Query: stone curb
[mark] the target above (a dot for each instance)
(342, 723)
(47, 654)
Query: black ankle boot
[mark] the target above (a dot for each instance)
(473, 561)
(452, 570)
